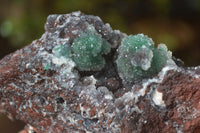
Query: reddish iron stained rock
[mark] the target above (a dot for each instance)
(51, 95)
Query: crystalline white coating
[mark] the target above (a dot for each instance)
(59, 60)
(178, 127)
(13, 85)
(145, 84)
(77, 13)
(109, 97)
(179, 131)
(157, 98)
(103, 89)
(143, 58)
(192, 73)
(62, 41)
(27, 65)
(91, 79)
(75, 32)
(128, 96)
(108, 94)
(84, 112)
(91, 28)
(30, 129)
(11, 103)
(30, 103)
(182, 109)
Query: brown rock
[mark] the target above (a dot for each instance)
(50, 95)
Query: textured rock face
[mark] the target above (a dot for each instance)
(43, 87)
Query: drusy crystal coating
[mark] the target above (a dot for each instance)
(88, 50)
(138, 58)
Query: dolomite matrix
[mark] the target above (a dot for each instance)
(82, 76)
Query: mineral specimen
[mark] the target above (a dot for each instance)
(75, 79)
(88, 50)
(138, 58)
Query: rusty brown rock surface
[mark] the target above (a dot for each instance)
(51, 95)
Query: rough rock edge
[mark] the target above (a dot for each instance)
(168, 102)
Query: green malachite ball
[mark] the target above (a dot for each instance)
(88, 50)
(138, 58)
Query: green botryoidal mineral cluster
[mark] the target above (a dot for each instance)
(88, 51)
(138, 58)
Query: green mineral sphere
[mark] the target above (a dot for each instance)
(88, 50)
(138, 58)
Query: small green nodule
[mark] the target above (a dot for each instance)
(47, 66)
